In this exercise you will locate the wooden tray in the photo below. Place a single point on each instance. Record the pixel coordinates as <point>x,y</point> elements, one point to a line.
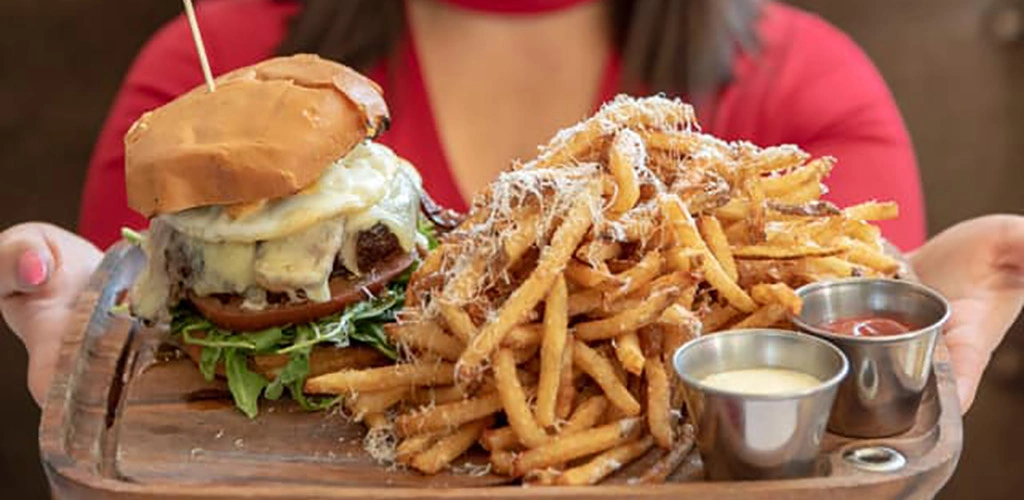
<point>128,418</point>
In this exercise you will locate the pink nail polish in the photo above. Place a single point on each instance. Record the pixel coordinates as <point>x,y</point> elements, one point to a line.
<point>32,269</point>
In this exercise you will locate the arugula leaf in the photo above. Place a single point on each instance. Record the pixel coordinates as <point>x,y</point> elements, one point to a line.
<point>427,229</point>
<point>131,236</point>
<point>208,361</point>
<point>361,322</point>
<point>245,385</point>
<point>372,334</point>
<point>218,338</point>
<point>264,340</point>
<point>296,370</point>
<point>311,404</point>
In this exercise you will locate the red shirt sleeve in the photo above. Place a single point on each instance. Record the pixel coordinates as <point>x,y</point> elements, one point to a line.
<point>236,32</point>
<point>808,84</point>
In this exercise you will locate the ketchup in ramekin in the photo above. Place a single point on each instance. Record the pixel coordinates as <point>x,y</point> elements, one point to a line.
<point>868,326</point>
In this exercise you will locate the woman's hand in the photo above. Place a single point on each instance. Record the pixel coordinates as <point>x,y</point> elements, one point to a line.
<point>979,266</point>
<point>42,270</point>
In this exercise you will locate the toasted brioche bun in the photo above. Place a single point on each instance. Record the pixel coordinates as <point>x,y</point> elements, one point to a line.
<point>268,131</point>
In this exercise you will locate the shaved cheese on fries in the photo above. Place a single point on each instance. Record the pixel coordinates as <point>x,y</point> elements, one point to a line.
<point>555,307</point>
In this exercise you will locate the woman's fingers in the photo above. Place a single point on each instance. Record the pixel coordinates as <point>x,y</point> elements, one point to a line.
<point>1009,250</point>
<point>978,265</point>
<point>25,260</point>
<point>970,349</point>
<point>42,270</point>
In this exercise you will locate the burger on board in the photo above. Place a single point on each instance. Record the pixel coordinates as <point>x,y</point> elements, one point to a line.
<point>276,223</point>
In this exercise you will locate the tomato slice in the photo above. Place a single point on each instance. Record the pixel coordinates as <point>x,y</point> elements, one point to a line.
<point>229,314</point>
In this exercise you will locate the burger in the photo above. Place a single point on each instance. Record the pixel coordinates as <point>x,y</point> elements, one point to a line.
<point>278,229</point>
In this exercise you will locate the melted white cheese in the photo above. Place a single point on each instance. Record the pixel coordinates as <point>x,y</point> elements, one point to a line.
<point>352,185</point>
<point>151,291</point>
<point>301,261</point>
<point>288,245</point>
<point>398,211</point>
<point>227,267</point>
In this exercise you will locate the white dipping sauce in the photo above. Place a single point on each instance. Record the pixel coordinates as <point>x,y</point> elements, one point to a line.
<point>761,381</point>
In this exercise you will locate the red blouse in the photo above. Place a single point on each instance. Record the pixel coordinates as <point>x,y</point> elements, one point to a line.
<point>807,84</point>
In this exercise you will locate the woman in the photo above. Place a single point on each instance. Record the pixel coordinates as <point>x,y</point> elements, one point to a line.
<point>475,83</point>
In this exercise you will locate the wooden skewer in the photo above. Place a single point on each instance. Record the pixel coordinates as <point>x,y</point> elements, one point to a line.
<point>190,13</point>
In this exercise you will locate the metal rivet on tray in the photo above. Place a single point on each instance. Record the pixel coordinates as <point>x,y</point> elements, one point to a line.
<point>876,459</point>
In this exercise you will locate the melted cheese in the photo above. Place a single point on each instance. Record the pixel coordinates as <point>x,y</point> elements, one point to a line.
<point>287,246</point>
<point>301,261</point>
<point>225,267</point>
<point>352,185</point>
<point>151,291</point>
<point>398,211</point>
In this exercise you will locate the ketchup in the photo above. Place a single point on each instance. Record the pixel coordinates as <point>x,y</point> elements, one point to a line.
<point>867,327</point>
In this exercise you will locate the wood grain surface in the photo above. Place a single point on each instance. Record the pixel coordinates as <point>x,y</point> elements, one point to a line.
<point>129,417</point>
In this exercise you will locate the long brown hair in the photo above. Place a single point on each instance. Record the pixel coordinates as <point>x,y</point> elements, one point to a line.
<point>673,46</point>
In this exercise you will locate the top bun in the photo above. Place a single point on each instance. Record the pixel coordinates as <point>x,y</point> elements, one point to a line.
<point>268,131</point>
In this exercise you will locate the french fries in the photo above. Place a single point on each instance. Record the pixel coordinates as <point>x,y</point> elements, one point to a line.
<point>585,275</point>
<point>367,403</point>
<point>383,378</point>
<point>671,461</point>
<point>447,416</point>
<point>601,370</point>
<point>556,323</point>
<point>522,238</point>
<point>766,316</point>
<point>557,305</point>
<point>711,231</point>
<point>446,449</point>
<point>412,446</point>
<point>436,395</point>
<point>458,321</point>
<point>627,350</point>
<point>566,383</point>
<point>503,438</point>
<point>425,336</point>
<point>631,319</point>
<point>767,252</point>
<point>513,400</point>
<point>659,412</point>
<point>606,463</point>
<point>551,263</point>
<point>638,276</point>
<point>777,293</point>
<point>587,415</point>
<point>577,445</point>
<point>626,156</point>
<point>872,210</point>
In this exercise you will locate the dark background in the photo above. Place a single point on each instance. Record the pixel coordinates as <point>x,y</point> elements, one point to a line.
<point>955,66</point>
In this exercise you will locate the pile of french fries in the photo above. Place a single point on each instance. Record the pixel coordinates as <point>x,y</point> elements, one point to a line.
<point>542,328</point>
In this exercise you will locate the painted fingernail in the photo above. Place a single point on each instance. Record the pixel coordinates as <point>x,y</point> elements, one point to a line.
<point>32,270</point>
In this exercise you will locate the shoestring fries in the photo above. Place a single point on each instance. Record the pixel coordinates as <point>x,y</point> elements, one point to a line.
<point>543,327</point>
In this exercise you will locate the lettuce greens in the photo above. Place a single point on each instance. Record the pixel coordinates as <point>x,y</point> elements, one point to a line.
<point>362,322</point>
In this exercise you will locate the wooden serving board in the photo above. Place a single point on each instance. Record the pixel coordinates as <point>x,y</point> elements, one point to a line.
<point>127,417</point>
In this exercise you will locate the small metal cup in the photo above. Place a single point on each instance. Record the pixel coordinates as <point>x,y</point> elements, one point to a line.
<point>887,374</point>
<point>742,436</point>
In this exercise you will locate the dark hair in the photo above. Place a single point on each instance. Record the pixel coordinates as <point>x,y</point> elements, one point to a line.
<point>672,46</point>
